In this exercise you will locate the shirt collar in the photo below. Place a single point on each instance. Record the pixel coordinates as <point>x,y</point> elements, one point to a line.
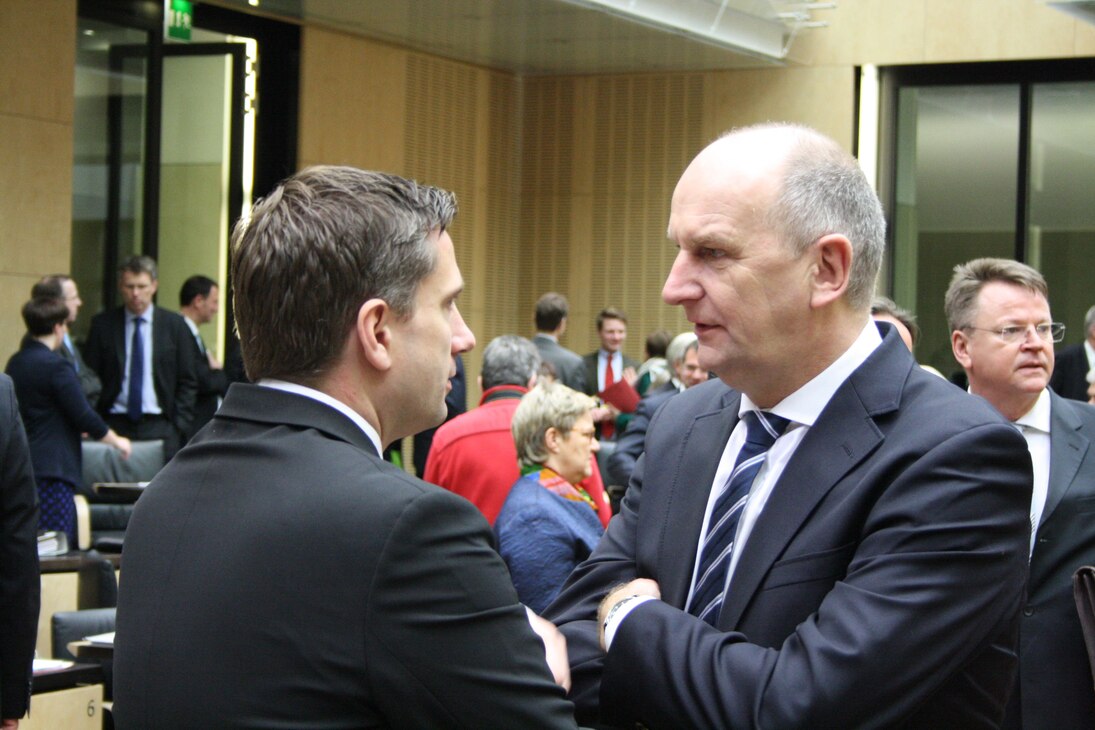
<point>304,390</point>
<point>1037,417</point>
<point>806,404</point>
<point>191,324</point>
<point>147,316</point>
<point>1090,352</point>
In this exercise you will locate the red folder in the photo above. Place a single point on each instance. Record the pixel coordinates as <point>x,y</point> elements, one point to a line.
<point>622,395</point>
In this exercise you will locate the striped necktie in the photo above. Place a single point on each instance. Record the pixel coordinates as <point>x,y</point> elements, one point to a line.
<point>762,430</point>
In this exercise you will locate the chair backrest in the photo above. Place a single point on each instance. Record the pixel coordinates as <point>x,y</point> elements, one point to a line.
<point>103,463</point>
<point>69,626</point>
<point>1083,590</point>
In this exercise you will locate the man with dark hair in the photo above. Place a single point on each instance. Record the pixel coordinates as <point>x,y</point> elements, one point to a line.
<point>1002,334</point>
<point>63,287</point>
<point>278,571</point>
<point>199,302</point>
<point>825,536</point>
<point>145,357</point>
<point>1075,368</point>
<point>474,455</point>
<point>20,586</point>
<point>551,322</point>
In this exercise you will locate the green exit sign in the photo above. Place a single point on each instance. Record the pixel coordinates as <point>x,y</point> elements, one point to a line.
<point>178,17</point>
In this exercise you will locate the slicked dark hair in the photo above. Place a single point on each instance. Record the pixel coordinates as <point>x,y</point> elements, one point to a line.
<point>324,242</point>
<point>194,287</point>
<point>551,309</point>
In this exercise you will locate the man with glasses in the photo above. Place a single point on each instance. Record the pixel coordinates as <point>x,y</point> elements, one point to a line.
<point>1002,334</point>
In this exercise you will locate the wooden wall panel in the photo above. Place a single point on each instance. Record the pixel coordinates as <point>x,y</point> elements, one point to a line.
<point>352,101</point>
<point>823,98</point>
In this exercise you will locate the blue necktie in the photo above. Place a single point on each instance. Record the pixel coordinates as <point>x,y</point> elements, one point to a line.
<point>762,430</point>
<point>133,406</point>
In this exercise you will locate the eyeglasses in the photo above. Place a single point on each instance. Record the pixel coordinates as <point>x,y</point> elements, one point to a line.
<point>1049,332</point>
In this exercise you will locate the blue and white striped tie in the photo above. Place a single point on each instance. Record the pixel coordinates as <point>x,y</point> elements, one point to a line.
<point>762,430</point>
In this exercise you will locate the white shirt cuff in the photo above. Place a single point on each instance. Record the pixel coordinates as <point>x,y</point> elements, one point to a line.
<point>617,616</point>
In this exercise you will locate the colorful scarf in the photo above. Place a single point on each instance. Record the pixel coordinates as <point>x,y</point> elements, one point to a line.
<point>556,484</point>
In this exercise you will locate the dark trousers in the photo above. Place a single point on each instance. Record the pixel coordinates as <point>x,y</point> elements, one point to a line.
<point>149,428</point>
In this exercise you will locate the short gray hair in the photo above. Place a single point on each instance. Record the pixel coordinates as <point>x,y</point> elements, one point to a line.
<point>824,191</point>
<point>680,346</point>
<point>548,405</point>
<point>1089,322</point>
<point>960,302</point>
<point>509,360</point>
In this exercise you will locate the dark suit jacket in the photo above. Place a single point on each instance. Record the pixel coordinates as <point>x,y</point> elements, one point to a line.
<point>880,586</point>
<point>19,583</point>
<point>629,445</point>
<point>569,369</point>
<point>55,412</point>
<point>89,381</point>
<point>589,363</point>
<point>211,386</point>
<point>279,573</point>
<point>1069,379</point>
<point>1054,689</point>
<point>174,371</point>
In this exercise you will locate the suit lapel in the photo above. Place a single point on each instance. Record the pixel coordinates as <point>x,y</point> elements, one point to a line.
<point>694,467</point>
<point>843,435</point>
<point>119,342</point>
<point>1067,448</point>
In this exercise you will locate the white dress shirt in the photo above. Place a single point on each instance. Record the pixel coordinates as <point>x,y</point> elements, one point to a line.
<point>1034,425</point>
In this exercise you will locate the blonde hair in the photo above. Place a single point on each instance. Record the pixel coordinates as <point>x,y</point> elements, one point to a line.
<point>548,405</point>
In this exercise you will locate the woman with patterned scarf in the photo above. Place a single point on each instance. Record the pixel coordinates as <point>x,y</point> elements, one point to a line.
<point>548,524</point>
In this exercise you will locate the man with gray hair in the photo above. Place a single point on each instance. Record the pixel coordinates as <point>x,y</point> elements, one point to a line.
<point>473,455</point>
<point>279,572</point>
<point>826,536</point>
<point>683,357</point>
<point>1075,369</point>
<point>1002,334</point>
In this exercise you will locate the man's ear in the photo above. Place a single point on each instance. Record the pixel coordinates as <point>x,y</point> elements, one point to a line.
<point>833,262</point>
<point>960,348</point>
<point>374,333</point>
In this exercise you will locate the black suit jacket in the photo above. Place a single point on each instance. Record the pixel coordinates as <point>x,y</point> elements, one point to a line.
<point>55,412</point>
<point>19,583</point>
<point>1054,688</point>
<point>629,445</point>
<point>89,381</point>
<point>880,586</point>
<point>174,370</point>
<point>589,362</point>
<point>211,387</point>
<point>279,573</point>
<point>1069,379</point>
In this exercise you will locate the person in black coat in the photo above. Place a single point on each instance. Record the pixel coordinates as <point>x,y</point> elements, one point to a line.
<point>55,412</point>
<point>19,584</point>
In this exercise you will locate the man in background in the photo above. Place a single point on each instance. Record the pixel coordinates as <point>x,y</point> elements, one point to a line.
<point>279,572</point>
<point>1075,366</point>
<point>199,302</point>
<point>144,355</point>
<point>19,582</point>
<point>609,365</point>
<point>63,287</point>
<point>1002,334</point>
<point>551,322</point>
<point>683,355</point>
